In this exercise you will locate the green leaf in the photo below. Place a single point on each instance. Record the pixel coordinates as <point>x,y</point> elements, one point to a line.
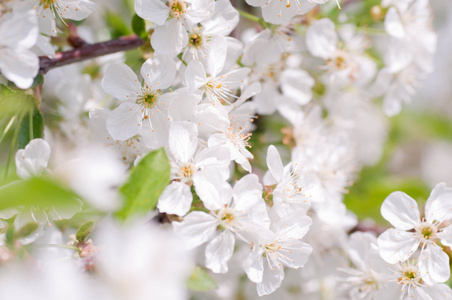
<point>145,185</point>
<point>139,27</point>
<point>116,25</point>
<point>27,132</point>
<point>10,236</point>
<point>36,191</point>
<point>84,230</point>
<point>200,280</point>
<point>39,79</point>
<point>27,229</point>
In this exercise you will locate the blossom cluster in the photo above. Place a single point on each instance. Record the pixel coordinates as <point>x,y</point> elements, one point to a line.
<point>228,221</point>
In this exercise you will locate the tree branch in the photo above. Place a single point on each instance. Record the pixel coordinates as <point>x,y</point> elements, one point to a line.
<point>89,51</point>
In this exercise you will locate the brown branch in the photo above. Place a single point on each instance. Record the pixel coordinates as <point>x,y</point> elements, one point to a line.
<point>89,51</point>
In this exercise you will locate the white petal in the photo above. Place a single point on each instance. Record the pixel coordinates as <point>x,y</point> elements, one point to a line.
<point>159,71</point>
<point>439,291</point>
<point>212,189</point>
<point>445,235</point>
<point>77,10</point>
<point>434,263</point>
<point>250,91</point>
<point>169,38</point>
<point>196,228</point>
<point>439,204</point>
<point>254,265</point>
<point>182,105</point>
<point>271,279</point>
<point>46,21</point>
<point>257,2</point>
<point>294,226</point>
<point>20,31</point>
<point>259,215</point>
<point>396,245</point>
<point>298,256</point>
<point>195,75</point>
<point>274,163</point>
<point>32,160</point>
<point>153,10</point>
<point>125,121</point>
<point>247,192</point>
<point>219,251</point>
<point>401,211</point>
<point>297,84</point>
<point>176,199</point>
<point>183,140</point>
<point>121,82</point>
<point>223,21</point>
<point>262,50</point>
<point>214,157</point>
<point>19,66</point>
<point>276,12</point>
<point>198,11</point>
<point>392,105</point>
<point>393,24</point>
<point>156,136</point>
<point>321,38</point>
<point>235,78</point>
<point>216,55</point>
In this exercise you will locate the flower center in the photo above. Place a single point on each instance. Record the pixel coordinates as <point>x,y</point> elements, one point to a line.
<point>427,231</point>
<point>178,8</point>
<point>47,3</point>
<point>272,248</point>
<point>227,217</point>
<point>237,137</point>
<point>148,99</point>
<point>186,171</point>
<point>195,40</point>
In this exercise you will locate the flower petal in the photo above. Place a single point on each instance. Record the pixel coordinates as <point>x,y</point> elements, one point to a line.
<point>445,235</point>
<point>125,121</point>
<point>401,211</point>
<point>19,66</point>
<point>271,279</point>
<point>169,38</point>
<point>20,31</point>
<point>254,265</point>
<point>223,21</point>
<point>274,163</point>
<point>153,10</point>
<point>121,82</point>
<point>393,23</point>
<point>396,245</point>
<point>439,204</point>
<point>219,251</point>
<point>159,71</point>
<point>195,75</point>
<point>216,55</point>
<point>176,199</point>
<point>321,38</point>
<point>32,160</point>
<point>196,228</point>
<point>434,263</point>
<point>247,192</point>
<point>183,140</point>
<point>78,9</point>
<point>212,188</point>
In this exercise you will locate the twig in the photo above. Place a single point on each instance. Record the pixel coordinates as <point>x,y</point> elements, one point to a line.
<point>89,51</point>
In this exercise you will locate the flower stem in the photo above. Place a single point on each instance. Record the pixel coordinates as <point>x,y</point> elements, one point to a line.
<point>13,146</point>
<point>248,16</point>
